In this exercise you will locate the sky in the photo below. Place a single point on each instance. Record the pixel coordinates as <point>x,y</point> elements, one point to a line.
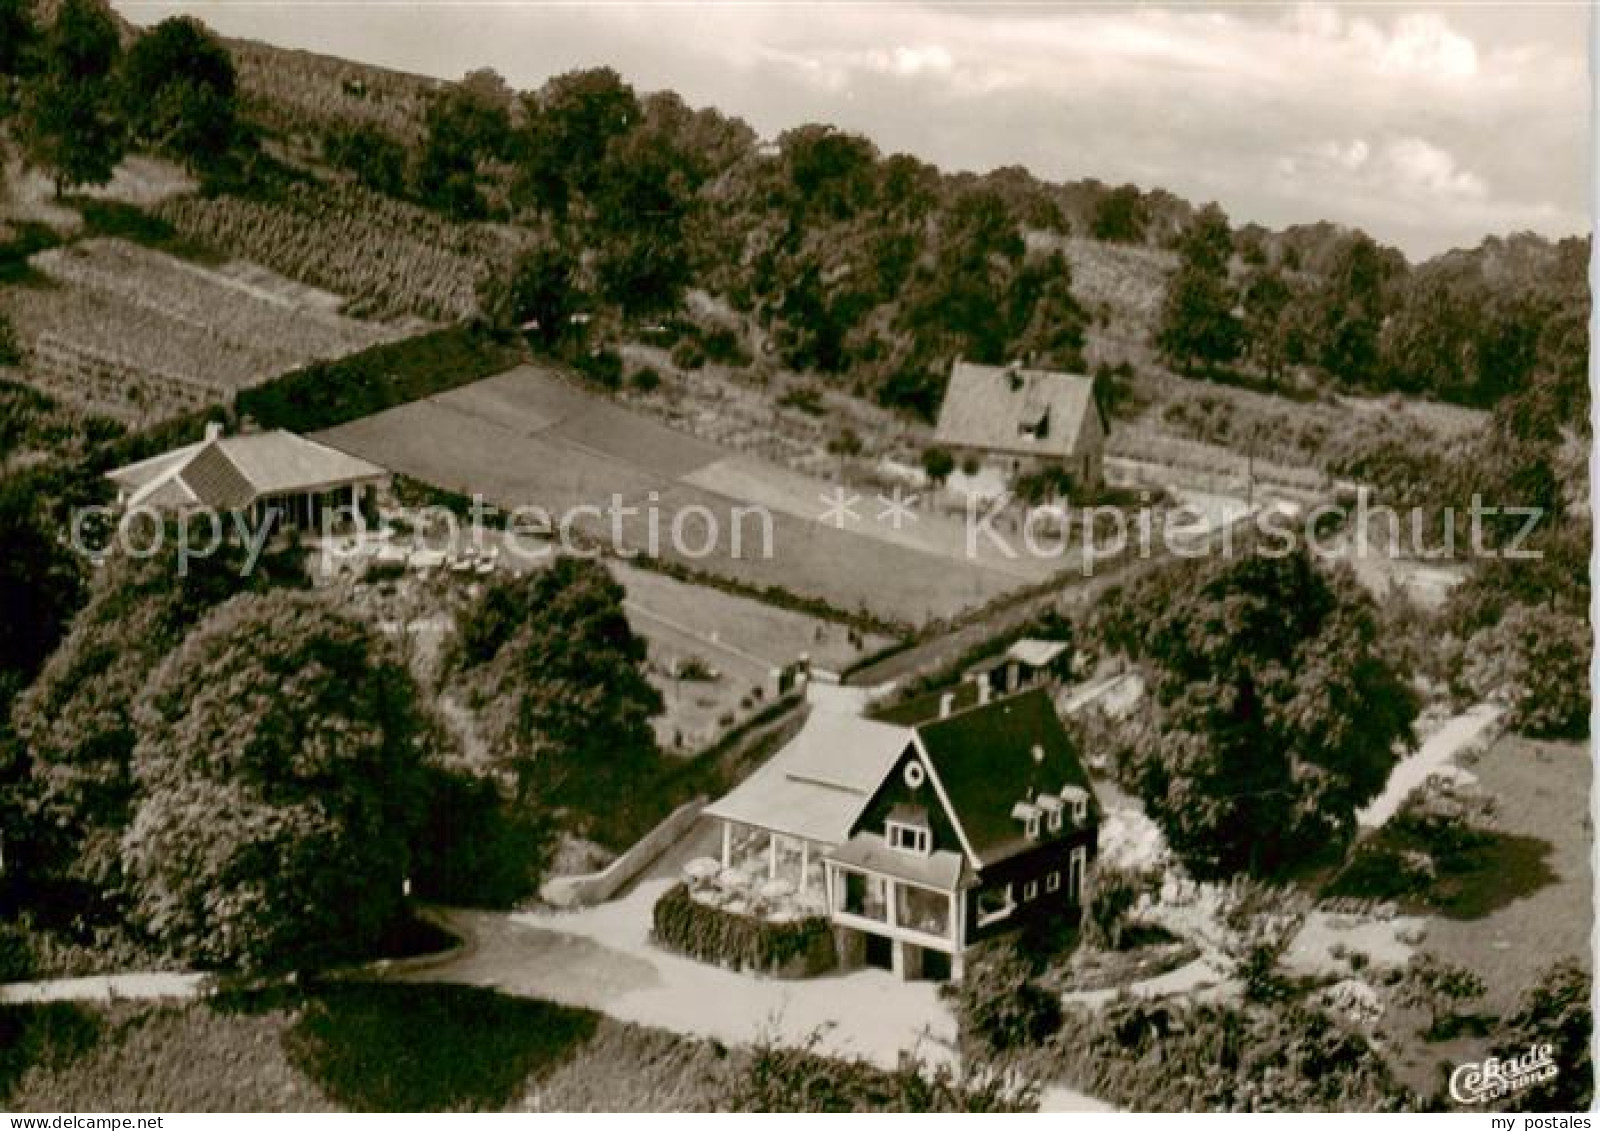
<point>1430,126</point>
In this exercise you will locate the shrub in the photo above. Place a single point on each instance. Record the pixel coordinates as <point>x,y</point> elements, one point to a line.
<point>688,354</point>
<point>334,392</point>
<point>1112,894</point>
<point>999,1005</point>
<point>803,397</point>
<point>790,1079</point>
<point>10,349</point>
<point>473,849</point>
<point>645,379</point>
<point>800,949</point>
<point>724,347</point>
<point>16,953</point>
<point>602,366</point>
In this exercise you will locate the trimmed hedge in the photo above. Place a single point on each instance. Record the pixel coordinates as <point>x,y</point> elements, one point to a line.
<point>329,393</point>
<point>801,949</point>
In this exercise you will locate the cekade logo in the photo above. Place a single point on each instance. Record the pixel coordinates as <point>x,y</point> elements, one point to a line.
<point>1479,1082</point>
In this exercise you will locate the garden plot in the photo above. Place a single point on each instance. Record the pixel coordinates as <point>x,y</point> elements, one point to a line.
<point>526,438</point>
<point>141,335</point>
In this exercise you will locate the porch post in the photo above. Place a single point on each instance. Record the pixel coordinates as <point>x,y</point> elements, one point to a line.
<point>772,856</point>
<point>805,864</point>
<point>727,843</point>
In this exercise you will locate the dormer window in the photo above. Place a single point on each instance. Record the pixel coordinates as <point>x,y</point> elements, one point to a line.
<point>1076,798</point>
<point>1029,816</point>
<point>1053,808</point>
<point>1034,423</point>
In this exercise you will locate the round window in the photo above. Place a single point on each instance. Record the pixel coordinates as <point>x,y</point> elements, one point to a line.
<point>915,775</point>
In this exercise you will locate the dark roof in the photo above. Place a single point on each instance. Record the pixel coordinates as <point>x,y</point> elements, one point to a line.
<point>924,707</point>
<point>985,758</point>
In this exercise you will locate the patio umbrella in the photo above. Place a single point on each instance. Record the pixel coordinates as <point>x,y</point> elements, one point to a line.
<point>733,878</point>
<point>702,868</point>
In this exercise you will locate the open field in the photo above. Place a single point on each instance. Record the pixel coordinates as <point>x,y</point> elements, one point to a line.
<point>1535,901</point>
<point>527,438</point>
<point>139,335</point>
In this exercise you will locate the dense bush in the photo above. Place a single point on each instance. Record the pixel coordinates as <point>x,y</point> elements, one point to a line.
<point>279,775</point>
<point>474,849</point>
<point>1166,1056</point>
<point>799,949</point>
<point>333,392</point>
<point>781,1078</point>
<point>999,1004</point>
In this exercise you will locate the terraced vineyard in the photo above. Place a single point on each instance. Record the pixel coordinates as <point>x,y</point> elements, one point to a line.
<point>140,336</point>
<point>387,257</point>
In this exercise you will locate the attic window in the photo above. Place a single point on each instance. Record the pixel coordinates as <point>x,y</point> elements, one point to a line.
<point>1034,423</point>
<point>1029,816</point>
<point>909,838</point>
<point>1053,808</point>
<point>1076,799</point>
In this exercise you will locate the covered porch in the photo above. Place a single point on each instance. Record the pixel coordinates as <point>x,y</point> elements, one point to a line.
<point>912,903</point>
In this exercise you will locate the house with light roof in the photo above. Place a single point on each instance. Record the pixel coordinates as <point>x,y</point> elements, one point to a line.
<point>257,474</point>
<point>1018,420</point>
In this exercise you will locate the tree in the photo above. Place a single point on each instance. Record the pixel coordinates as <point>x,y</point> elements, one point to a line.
<point>40,589</point>
<point>1350,307</point>
<point>574,705</point>
<point>1047,324</point>
<point>69,127</point>
<point>181,91</point>
<point>999,1004</point>
<point>538,294</point>
<point>469,123</point>
<point>1268,324</point>
<point>1536,660</point>
<point>570,125</point>
<point>279,764</point>
<point>1441,988</point>
<point>377,160</point>
<point>937,465</point>
<point>1555,1010</point>
<point>10,348</point>
<point>1198,323</point>
<point>75,720</point>
<point>1276,712</point>
<point>19,35</point>
<point>1112,894</point>
<point>1121,216</point>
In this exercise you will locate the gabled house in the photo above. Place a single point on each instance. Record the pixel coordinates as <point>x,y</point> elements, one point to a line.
<point>928,838</point>
<point>1021,420</point>
<point>256,474</point>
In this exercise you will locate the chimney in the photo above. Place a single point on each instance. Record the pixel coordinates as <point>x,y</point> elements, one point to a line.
<point>213,430</point>
<point>946,701</point>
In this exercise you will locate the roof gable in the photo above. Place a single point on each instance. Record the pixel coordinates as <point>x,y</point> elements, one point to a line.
<point>229,473</point>
<point>1004,408</point>
<point>985,760</point>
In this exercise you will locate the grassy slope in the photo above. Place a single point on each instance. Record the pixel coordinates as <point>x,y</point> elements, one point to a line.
<point>355,1047</point>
